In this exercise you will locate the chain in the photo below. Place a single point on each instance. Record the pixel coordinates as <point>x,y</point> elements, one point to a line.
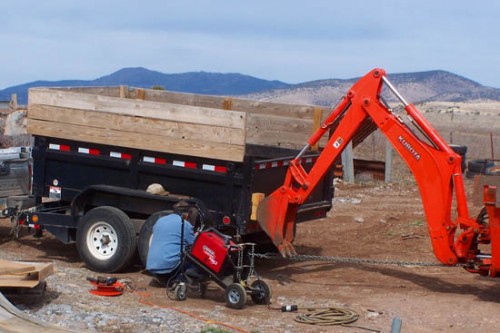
<point>305,257</point>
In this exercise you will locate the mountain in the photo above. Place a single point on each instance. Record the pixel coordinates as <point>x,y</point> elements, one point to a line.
<point>434,85</point>
<point>193,82</point>
<point>437,85</point>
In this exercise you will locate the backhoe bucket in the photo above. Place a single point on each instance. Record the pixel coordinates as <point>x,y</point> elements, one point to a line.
<point>276,216</point>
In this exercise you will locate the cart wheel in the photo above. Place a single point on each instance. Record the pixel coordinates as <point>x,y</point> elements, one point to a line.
<point>180,292</point>
<point>261,292</point>
<point>236,296</point>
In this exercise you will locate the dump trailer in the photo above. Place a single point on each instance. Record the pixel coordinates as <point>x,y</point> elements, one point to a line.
<point>97,150</point>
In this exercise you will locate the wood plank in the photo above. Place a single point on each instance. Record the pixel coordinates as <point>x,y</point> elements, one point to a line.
<point>283,125</point>
<point>229,151</point>
<point>95,90</point>
<point>219,102</point>
<point>8,267</point>
<point>137,108</point>
<point>279,124</point>
<point>215,134</point>
<point>276,138</point>
<point>29,279</point>
<point>18,270</point>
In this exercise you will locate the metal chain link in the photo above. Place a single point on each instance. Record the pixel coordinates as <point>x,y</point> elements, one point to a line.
<point>305,257</point>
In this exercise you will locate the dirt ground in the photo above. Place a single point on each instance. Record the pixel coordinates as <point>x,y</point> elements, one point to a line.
<point>371,220</point>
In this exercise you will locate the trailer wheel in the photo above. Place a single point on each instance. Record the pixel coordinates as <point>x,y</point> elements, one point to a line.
<point>261,292</point>
<point>106,239</point>
<point>146,232</point>
<point>236,296</point>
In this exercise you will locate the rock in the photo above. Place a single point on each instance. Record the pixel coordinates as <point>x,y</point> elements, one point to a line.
<point>359,219</point>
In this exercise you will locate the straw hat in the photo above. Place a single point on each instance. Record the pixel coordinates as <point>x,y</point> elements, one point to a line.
<point>157,189</point>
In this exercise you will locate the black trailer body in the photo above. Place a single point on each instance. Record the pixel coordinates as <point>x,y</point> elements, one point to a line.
<point>84,190</point>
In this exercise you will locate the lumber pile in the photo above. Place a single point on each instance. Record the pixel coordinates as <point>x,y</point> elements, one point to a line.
<point>158,120</point>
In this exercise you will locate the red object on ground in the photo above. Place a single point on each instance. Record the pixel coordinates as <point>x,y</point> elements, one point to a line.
<point>114,289</point>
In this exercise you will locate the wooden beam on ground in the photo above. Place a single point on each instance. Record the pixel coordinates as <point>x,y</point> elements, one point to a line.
<point>24,275</point>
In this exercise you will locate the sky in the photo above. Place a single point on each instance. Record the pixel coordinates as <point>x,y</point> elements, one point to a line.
<point>287,40</point>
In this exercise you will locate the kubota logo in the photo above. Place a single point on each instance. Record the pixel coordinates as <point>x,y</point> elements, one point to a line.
<point>408,147</point>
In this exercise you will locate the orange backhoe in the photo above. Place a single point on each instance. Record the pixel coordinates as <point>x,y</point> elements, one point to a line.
<point>435,166</point>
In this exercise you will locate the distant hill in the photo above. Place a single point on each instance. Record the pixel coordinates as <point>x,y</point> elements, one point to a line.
<point>194,82</point>
<point>435,85</point>
<point>416,87</point>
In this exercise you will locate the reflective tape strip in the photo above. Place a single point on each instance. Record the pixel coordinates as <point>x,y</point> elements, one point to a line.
<point>155,160</point>
<point>216,168</point>
<point>184,164</point>
<point>55,146</point>
<point>124,156</point>
<point>89,151</point>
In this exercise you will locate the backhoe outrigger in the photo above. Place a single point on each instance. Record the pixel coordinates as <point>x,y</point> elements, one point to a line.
<point>435,166</point>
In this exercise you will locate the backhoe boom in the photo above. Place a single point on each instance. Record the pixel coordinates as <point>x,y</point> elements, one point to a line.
<point>435,166</point>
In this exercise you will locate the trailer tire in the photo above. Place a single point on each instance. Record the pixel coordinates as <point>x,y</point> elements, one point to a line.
<point>106,239</point>
<point>144,240</point>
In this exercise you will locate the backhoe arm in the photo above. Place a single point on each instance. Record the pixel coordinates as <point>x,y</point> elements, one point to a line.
<point>434,165</point>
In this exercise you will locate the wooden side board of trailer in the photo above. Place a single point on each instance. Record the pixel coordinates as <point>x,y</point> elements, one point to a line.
<point>191,124</point>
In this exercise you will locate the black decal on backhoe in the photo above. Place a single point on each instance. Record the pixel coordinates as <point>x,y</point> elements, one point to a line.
<point>408,147</point>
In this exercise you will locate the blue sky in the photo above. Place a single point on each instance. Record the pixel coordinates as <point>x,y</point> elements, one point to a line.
<point>287,40</point>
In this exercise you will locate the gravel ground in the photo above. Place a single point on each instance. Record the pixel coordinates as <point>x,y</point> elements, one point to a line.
<point>67,303</point>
